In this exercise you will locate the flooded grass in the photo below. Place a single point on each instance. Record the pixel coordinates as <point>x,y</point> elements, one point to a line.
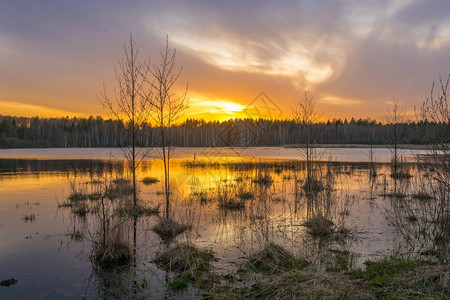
<point>149,180</point>
<point>246,195</point>
<point>271,260</point>
<point>168,229</point>
<point>77,196</point>
<point>77,235</point>
<point>231,204</point>
<point>138,210</point>
<point>185,260</point>
<point>319,226</point>
<point>29,218</point>
<point>114,251</point>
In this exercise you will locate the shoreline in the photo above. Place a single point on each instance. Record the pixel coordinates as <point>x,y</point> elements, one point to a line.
<point>289,146</point>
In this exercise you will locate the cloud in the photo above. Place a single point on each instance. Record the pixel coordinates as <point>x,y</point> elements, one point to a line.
<point>59,54</point>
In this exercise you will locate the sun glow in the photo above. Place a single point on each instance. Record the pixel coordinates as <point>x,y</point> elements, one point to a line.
<point>209,109</point>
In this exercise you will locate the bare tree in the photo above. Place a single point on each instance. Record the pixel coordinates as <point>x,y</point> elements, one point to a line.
<point>305,116</point>
<point>371,154</point>
<point>167,108</point>
<point>130,104</point>
<point>395,118</point>
<point>436,109</point>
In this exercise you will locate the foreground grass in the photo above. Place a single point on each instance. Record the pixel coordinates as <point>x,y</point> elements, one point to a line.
<point>391,278</point>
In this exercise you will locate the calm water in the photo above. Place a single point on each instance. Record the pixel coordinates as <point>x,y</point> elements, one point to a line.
<point>48,262</point>
<point>333,154</point>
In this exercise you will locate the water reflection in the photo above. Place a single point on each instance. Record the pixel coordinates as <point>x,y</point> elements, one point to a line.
<point>234,207</point>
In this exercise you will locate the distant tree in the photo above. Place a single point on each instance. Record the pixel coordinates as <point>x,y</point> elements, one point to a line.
<point>395,118</point>
<point>167,109</point>
<point>130,105</point>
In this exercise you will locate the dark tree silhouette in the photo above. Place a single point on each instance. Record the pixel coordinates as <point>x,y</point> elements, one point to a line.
<point>130,105</point>
<point>167,108</point>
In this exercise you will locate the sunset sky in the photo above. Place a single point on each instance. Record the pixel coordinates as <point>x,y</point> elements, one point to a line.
<point>355,57</point>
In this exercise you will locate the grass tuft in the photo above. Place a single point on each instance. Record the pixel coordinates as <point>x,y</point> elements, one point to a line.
<point>149,180</point>
<point>114,252</point>
<point>272,259</point>
<point>185,260</point>
<point>313,186</point>
<point>401,175</point>
<point>137,211</point>
<point>231,204</point>
<point>246,195</point>
<point>118,188</point>
<point>319,226</point>
<point>77,196</point>
<point>264,180</point>
<point>95,196</point>
<point>168,229</point>
<point>76,236</point>
<point>29,218</point>
<point>422,196</point>
<point>178,283</point>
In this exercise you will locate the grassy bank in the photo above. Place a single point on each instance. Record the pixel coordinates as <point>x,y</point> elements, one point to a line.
<point>390,278</point>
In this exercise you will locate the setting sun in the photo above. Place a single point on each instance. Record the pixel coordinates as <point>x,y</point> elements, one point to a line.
<point>213,109</point>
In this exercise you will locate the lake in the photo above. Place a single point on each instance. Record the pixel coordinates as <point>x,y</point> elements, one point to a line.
<point>47,241</point>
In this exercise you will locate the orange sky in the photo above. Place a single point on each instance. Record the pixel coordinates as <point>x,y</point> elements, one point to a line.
<point>355,57</point>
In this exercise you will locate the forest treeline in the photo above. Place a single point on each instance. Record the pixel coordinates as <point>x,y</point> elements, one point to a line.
<point>21,132</point>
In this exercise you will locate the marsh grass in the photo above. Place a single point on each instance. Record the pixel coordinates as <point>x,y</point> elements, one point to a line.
<point>137,211</point>
<point>77,196</point>
<point>80,209</point>
<point>114,251</point>
<point>29,218</point>
<point>185,260</point>
<point>270,260</point>
<point>401,175</point>
<point>297,284</point>
<point>265,180</point>
<point>149,180</point>
<point>390,278</point>
<point>319,226</point>
<point>119,188</point>
<point>243,195</point>
<point>202,196</point>
<point>65,204</point>
<point>397,278</point>
<point>76,235</point>
<point>94,196</point>
<point>396,195</point>
<point>313,186</point>
<point>168,229</point>
<point>340,261</point>
<point>178,283</point>
<point>231,204</point>
<point>422,196</point>
<point>422,219</point>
